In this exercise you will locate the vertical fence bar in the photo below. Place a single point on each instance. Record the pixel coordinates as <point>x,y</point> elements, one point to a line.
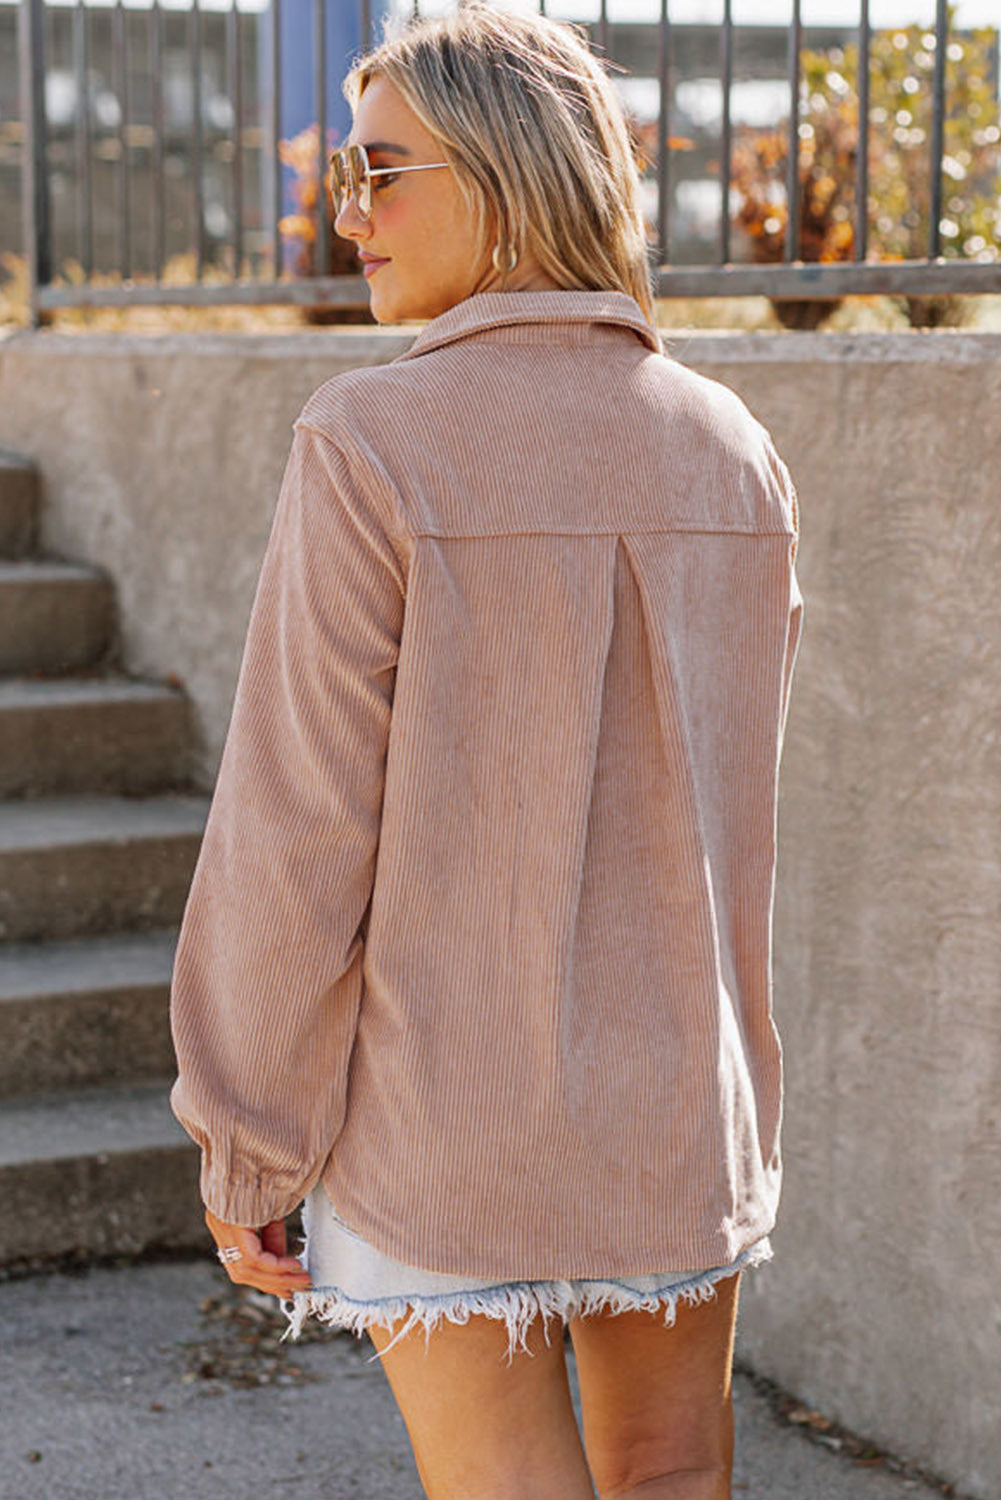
<point>198,138</point>
<point>321,260</point>
<point>792,244</point>
<point>159,131</point>
<point>235,86</point>
<point>84,186</point>
<point>366,24</point>
<point>34,178</point>
<point>276,131</point>
<point>664,131</point>
<point>725,152</point>
<point>120,73</point>
<point>603,28</point>
<point>862,148</point>
<point>938,128</point>
<point>542,7</point>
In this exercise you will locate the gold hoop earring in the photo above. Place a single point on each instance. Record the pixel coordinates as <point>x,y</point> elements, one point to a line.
<point>512,260</point>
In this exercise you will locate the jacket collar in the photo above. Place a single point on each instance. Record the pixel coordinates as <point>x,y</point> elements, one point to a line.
<point>487,310</point>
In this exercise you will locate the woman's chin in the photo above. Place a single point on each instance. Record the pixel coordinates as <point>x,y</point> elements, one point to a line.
<point>389,310</point>
<point>389,304</point>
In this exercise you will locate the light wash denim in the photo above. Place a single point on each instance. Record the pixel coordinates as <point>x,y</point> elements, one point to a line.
<point>355,1286</point>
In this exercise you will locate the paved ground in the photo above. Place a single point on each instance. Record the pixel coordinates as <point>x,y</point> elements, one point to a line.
<point>161,1382</point>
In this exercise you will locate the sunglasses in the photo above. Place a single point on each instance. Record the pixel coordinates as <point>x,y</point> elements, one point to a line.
<point>351,176</point>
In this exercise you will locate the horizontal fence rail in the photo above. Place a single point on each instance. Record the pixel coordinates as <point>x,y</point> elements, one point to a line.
<point>175,171</point>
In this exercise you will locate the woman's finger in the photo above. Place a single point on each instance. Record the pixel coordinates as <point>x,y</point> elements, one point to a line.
<point>274,1286</point>
<point>253,1265</point>
<point>274,1238</point>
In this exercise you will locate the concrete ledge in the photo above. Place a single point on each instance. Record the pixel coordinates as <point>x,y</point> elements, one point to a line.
<point>359,346</point>
<point>88,865</point>
<point>92,735</point>
<point>19,496</point>
<point>365,345</point>
<point>912,346</point>
<point>54,616</point>
<point>104,1173</point>
<point>85,1014</point>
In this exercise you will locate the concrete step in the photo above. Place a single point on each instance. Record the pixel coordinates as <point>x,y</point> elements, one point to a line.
<point>102,1172</point>
<point>54,616</point>
<point>92,735</point>
<point>20,504</point>
<point>87,1013</point>
<point>84,866</point>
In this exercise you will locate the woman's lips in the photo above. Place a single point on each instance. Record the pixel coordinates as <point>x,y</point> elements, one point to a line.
<point>369,267</point>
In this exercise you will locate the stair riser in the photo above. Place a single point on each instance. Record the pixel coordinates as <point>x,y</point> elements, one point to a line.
<point>95,747</point>
<point>93,1040</point>
<point>102,1205</point>
<point>78,891</point>
<point>55,626</point>
<point>19,510</point>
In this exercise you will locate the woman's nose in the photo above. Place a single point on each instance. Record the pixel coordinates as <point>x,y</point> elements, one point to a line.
<point>350,223</point>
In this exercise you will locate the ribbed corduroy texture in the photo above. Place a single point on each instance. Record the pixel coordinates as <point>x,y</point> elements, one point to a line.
<point>480,930</point>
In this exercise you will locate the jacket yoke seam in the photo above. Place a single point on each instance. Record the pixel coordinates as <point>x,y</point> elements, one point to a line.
<point>602,531</point>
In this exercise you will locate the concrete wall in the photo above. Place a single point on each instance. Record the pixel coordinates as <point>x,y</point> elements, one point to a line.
<point>161,461</point>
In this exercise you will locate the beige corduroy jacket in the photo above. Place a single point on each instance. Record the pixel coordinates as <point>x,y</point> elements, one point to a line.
<point>480,930</point>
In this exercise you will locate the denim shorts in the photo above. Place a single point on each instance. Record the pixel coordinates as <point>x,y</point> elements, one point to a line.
<point>355,1286</point>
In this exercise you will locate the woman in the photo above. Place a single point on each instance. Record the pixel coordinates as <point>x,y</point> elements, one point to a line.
<point>476,959</point>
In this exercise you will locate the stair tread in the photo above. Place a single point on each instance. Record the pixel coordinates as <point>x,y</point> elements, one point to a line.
<point>47,570</point>
<point>43,822</point>
<point>68,692</point>
<point>83,965</point>
<point>54,1127</point>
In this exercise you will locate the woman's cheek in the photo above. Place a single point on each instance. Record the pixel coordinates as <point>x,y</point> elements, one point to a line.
<point>391,218</point>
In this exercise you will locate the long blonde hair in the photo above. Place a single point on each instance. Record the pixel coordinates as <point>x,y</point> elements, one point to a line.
<point>527,118</point>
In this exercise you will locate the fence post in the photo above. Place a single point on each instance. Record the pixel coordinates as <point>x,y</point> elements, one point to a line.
<point>34,178</point>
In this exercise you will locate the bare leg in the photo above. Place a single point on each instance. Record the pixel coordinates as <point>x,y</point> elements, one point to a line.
<point>483,1429</point>
<point>656,1401</point>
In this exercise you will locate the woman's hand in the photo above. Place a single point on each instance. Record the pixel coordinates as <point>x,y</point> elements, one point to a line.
<point>263,1262</point>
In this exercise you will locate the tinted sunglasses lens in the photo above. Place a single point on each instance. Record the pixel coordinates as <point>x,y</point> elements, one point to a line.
<point>338,180</point>
<point>362,181</point>
<point>349,175</point>
<point>343,178</point>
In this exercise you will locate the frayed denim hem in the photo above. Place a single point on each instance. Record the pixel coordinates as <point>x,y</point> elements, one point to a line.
<point>518,1303</point>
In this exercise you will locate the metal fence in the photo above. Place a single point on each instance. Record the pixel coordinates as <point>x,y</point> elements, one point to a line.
<point>244,261</point>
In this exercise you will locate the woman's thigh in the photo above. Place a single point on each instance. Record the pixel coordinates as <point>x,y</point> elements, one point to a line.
<point>656,1401</point>
<point>482,1428</point>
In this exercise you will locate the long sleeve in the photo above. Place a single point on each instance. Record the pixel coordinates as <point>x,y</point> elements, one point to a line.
<point>268,972</point>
